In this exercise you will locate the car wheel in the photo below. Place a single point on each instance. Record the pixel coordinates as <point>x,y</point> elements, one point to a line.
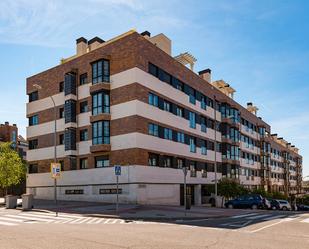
<point>273,208</point>
<point>254,206</point>
<point>230,206</point>
<point>284,208</point>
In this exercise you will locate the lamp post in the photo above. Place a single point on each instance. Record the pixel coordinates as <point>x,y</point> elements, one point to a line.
<point>38,87</point>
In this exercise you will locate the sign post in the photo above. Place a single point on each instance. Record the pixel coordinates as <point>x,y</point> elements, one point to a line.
<point>55,169</point>
<point>117,173</point>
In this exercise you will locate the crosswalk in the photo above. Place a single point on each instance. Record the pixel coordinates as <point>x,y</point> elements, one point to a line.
<point>270,216</point>
<point>18,218</point>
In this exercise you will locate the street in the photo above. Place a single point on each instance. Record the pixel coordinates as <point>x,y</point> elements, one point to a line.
<point>270,229</point>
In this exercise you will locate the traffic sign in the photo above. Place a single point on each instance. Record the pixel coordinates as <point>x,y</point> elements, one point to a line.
<point>117,170</point>
<point>55,169</point>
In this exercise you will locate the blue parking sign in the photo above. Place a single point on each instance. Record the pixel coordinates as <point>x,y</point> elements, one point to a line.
<point>117,170</point>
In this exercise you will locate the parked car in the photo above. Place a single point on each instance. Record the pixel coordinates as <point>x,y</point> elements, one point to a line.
<point>246,201</point>
<point>274,204</point>
<point>284,205</point>
<point>302,207</point>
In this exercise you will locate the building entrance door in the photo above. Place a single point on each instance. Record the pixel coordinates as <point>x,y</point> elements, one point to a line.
<point>190,191</point>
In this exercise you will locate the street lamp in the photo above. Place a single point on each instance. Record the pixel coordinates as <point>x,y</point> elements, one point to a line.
<point>38,87</point>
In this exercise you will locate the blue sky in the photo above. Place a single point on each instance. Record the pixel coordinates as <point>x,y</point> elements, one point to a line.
<point>259,47</point>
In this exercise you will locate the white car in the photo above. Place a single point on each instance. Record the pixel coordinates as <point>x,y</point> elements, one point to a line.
<point>284,205</point>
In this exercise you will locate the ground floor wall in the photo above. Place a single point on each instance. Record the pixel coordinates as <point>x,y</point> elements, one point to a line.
<point>137,185</point>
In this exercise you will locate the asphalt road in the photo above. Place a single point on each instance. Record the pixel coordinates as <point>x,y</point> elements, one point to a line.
<point>260,230</point>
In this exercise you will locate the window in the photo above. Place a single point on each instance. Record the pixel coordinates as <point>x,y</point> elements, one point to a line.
<point>153,130</point>
<point>167,162</point>
<point>101,161</point>
<point>168,134</point>
<point>83,135</point>
<point>83,79</point>
<point>73,162</point>
<point>33,144</point>
<point>61,139</point>
<point>70,111</point>
<point>203,148</point>
<point>61,87</point>
<point>70,139</point>
<point>180,137</point>
<point>192,98</point>
<point>83,163</point>
<point>203,124</point>
<point>153,99</point>
<point>33,96</point>
<point>61,112</point>
<point>61,165</point>
<point>192,144</point>
<point>203,102</point>
<point>180,163</point>
<point>100,103</point>
<point>33,120</point>
<point>100,132</point>
<point>153,70</point>
<point>33,168</point>
<point>100,71</point>
<point>83,106</point>
<point>166,106</point>
<point>153,159</point>
<point>192,120</point>
<point>179,111</point>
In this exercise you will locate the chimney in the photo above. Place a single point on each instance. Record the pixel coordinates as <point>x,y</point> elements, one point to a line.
<point>146,34</point>
<point>81,46</point>
<point>251,108</point>
<point>7,123</point>
<point>275,136</point>
<point>14,125</point>
<point>94,43</point>
<point>205,75</point>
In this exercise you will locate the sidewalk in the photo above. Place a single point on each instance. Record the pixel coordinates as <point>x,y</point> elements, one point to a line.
<point>135,212</point>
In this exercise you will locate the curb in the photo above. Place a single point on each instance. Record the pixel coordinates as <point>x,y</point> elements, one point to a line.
<point>144,218</point>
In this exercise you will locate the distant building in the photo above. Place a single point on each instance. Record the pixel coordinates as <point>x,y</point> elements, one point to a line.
<point>9,133</point>
<point>128,101</point>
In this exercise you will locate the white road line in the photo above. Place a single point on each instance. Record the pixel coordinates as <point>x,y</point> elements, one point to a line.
<point>305,220</point>
<point>257,216</point>
<point>92,221</point>
<point>7,223</point>
<point>267,226</point>
<point>242,215</point>
<point>11,219</point>
<point>273,224</point>
<point>29,218</point>
<point>84,220</point>
<point>43,216</point>
<point>273,217</point>
<point>77,220</point>
<point>63,215</point>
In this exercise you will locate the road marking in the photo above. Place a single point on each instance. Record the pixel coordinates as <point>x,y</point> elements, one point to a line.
<point>7,223</point>
<point>29,218</point>
<point>273,217</point>
<point>273,224</point>
<point>242,215</point>
<point>305,220</point>
<point>258,216</point>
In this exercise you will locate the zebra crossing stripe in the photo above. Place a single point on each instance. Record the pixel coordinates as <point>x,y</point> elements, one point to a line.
<point>273,217</point>
<point>12,219</point>
<point>258,216</point>
<point>243,215</point>
<point>29,218</point>
<point>305,220</point>
<point>7,223</point>
<point>48,218</point>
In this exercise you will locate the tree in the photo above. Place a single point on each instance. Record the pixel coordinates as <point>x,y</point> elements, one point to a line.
<point>12,167</point>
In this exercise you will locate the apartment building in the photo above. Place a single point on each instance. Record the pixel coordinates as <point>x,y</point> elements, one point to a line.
<point>127,101</point>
